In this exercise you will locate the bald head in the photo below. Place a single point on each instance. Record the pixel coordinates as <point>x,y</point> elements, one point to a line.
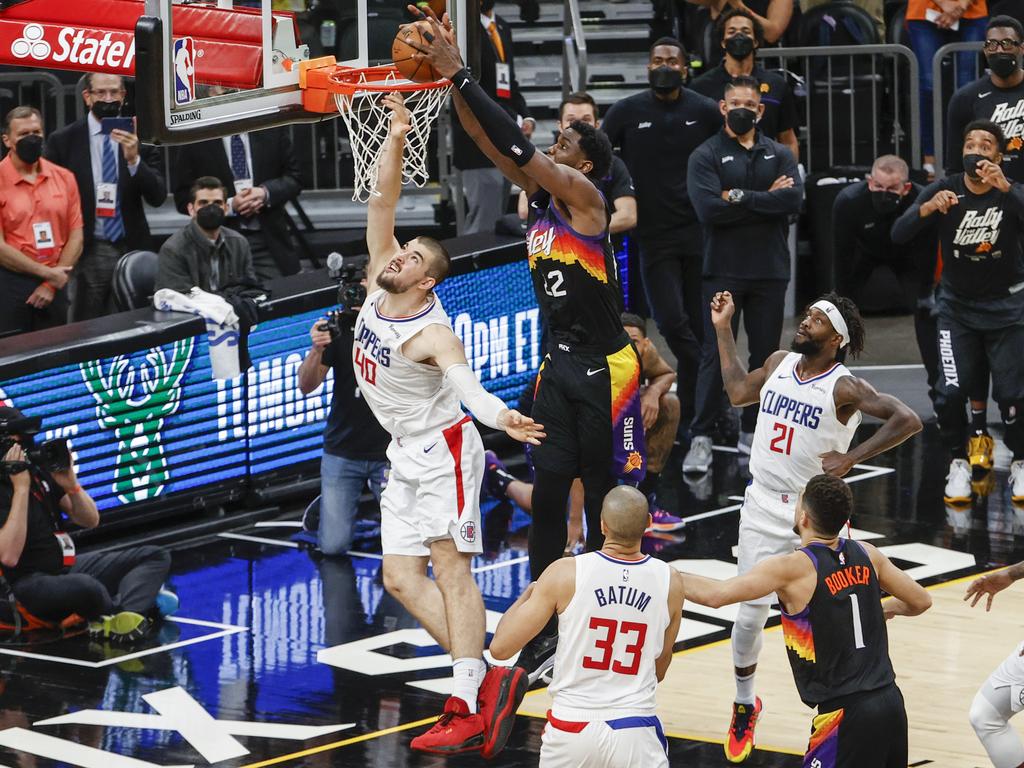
<point>624,514</point>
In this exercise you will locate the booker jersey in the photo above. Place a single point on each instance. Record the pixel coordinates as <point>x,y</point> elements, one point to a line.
<point>609,636</point>
<point>796,424</point>
<point>406,397</point>
<point>838,644</point>
<point>574,277</point>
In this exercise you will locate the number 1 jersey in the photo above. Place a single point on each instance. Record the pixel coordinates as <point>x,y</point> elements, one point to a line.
<point>609,637</point>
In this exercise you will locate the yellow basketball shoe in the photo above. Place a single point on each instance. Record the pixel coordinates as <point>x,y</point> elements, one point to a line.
<point>740,742</point>
<point>981,449</point>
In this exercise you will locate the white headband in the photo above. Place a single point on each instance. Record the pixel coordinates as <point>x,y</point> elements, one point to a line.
<point>836,317</point>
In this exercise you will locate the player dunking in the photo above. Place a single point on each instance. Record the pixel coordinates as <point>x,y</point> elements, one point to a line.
<point>834,627</point>
<point>588,386</point>
<point>618,616</point>
<point>810,406</point>
<point>412,370</point>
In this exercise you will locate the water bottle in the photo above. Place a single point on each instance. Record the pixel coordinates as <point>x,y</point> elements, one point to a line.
<point>328,34</point>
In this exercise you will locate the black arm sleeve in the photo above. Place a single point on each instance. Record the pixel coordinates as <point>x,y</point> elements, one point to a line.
<point>500,128</point>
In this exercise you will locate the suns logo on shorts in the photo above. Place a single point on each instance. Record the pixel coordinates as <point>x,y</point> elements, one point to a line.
<point>468,531</point>
<point>633,462</point>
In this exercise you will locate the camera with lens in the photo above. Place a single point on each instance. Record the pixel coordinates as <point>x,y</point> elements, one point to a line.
<point>51,455</point>
<point>351,294</point>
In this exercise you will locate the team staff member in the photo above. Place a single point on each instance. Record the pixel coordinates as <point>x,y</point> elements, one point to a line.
<point>997,96</point>
<point>603,709</point>
<point>744,187</point>
<point>740,35</point>
<point>41,237</point>
<point>115,173</point>
<point>840,658</point>
<point>656,132</point>
<point>978,216</point>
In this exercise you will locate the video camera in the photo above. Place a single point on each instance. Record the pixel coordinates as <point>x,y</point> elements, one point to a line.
<point>351,294</point>
<point>51,455</point>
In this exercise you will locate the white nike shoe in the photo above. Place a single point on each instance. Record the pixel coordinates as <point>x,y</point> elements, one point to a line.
<point>698,458</point>
<point>1017,482</point>
<point>958,482</point>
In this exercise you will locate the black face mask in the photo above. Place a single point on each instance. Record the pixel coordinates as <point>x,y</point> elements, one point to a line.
<point>885,202</point>
<point>971,164</point>
<point>741,120</point>
<point>103,109</point>
<point>210,217</point>
<point>664,79</point>
<point>1002,64</point>
<point>29,148</point>
<point>739,47</point>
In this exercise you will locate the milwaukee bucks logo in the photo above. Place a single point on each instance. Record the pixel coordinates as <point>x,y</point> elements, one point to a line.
<point>133,402</point>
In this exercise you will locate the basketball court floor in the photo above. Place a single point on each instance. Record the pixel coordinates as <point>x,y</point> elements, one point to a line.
<point>280,657</point>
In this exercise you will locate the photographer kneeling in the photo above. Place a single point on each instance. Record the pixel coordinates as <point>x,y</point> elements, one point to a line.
<point>115,591</point>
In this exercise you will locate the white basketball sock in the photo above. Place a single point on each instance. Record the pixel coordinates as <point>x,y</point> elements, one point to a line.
<point>469,673</point>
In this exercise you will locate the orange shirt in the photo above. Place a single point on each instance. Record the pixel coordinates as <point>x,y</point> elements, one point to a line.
<point>53,198</point>
<point>916,9</point>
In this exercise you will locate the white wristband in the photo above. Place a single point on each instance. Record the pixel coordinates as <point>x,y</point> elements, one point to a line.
<point>481,403</point>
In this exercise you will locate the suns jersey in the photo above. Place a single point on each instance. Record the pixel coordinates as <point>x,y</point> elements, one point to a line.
<point>406,397</point>
<point>796,424</point>
<point>838,644</point>
<point>574,277</point>
<point>609,637</point>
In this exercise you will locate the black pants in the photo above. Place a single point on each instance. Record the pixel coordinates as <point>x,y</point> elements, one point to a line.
<point>762,305</point>
<point>98,584</point>
<point>671,268</point>
<point>870,729</point>
<point>94,280</point>
<point>966,357</point>
<point>18,317</point>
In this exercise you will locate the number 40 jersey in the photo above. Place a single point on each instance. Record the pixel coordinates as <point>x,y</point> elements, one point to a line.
<point>796,424</point>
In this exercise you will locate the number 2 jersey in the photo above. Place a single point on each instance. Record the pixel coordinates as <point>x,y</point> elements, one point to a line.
<point>574,277</point>
<point>796,424</point>
<point>838,644</point>
<point>609,637</point>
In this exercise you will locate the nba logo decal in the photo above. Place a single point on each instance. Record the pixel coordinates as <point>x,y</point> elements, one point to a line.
<point>468,531</point>
<point>184,70</point>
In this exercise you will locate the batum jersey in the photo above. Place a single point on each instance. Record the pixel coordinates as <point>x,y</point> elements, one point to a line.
<point>574,277</point>
<point>796,424</point>
<point>609,637</point>
<point>838,644</point>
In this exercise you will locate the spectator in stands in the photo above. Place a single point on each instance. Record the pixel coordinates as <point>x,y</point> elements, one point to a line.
<point>862,219</point>
<point>41,237</point>
<point>740,35</point>
<point>261,171</point>
<point>997,96</point>
<point>773,15</point>
<point>744,187</point>
<point>205,253</point>
<point>931,24</point>
<point>655,132</point>
<point>874,8</point>
<point>978,216</point>
<point>112,166</point>
<point>116,591</point>
<point>484,187</point>
<point>617,186</point>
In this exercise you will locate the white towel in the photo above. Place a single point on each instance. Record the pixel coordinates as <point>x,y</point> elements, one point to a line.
<point>221,325</point>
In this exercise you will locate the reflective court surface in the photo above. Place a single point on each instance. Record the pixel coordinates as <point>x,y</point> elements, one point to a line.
<point>280,657</point>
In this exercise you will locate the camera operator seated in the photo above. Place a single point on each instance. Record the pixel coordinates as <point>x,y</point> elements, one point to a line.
<point>115,591</point>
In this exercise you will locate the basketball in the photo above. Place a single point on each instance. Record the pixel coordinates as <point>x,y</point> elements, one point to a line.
<point>402,53</point>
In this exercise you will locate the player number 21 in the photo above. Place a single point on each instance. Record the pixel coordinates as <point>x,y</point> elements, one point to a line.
<point>606,645</point>
<point>783,440</point>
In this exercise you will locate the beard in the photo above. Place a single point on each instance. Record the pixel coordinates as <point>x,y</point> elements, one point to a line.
<point>807,346</point>
<point>389,281</point>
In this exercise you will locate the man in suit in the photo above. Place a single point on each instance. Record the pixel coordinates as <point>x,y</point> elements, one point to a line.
<point>114,173</point>
<point>483,185</point>
<point>261,174</point>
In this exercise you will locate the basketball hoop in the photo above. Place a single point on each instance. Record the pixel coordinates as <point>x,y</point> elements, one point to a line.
<point>357,95</point>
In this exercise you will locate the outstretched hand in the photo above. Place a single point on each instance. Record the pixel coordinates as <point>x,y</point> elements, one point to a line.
<point>401,121</point>
<point>440,51</point>
<point>521,428</point>
<point>722,309</point>
<point>990,584</point>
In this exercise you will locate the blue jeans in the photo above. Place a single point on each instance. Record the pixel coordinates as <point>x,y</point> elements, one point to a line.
<point>926,39</point>
<point>341,483</point>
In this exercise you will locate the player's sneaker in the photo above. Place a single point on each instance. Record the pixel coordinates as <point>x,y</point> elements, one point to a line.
<point>981,451</point>
<point>958,482</point>
<point>311,517</point>
<point>166,602</point>
<point>740,742</point>
<point>497,478</point>
<point>125,627</point>
<point>698,458</point>
<point>1017,482</point>
<point>538,656</point>
<point>501,693</point>
<point>664,522</point>
<point>456,730</point>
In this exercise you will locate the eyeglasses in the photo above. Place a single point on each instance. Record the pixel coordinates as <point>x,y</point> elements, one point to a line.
<point>107,92</point>
<point>1006,44</point>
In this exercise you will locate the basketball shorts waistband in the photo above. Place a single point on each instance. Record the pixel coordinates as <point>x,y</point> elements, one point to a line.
<point>616,724</point>
<point>608,347</point>
<point>406,440</point>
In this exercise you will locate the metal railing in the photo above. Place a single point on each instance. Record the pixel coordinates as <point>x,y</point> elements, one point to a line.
<point>939,91</point>
<point>574,55</point>
<point>860,101</point>
<point>20,88</point>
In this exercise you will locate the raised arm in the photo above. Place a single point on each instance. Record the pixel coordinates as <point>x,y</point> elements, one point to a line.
<point>380,214</point>
<point>472,128</point>
<point>742,387</point>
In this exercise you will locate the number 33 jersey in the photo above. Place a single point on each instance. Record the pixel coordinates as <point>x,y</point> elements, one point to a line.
<point>574,277</point>
<point>609,637</point>
<point>796,424</point>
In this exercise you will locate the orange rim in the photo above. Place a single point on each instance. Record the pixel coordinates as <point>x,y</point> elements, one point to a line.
<point>383,79</point>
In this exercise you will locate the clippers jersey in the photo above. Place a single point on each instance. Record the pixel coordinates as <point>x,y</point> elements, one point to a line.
<point>609,636</point>
<point>796,423</point>
<point>574,277</point>
<point>838,644</point>
<point>406,397</point>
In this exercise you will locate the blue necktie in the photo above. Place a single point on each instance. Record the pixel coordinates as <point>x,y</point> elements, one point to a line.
<point>239,165</point>
<point>113,226</point>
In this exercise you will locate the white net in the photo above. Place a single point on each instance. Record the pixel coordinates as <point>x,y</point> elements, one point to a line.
<point>368,122</point>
